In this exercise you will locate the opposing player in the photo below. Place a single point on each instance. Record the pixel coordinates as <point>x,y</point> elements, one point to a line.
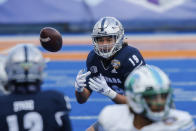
<point>108,64</point>
<point>149,95</point>
<point>27,107</point>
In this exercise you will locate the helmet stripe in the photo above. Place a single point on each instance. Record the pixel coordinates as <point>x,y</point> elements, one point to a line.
<point>26,60</point>
<point>156,76</point>
<point>26,55</point>
<point>102,24</point>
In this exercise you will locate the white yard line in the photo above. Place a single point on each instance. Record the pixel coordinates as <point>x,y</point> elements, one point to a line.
<point>83,117</point>
<point>184,83</point>
<point>96,117</point>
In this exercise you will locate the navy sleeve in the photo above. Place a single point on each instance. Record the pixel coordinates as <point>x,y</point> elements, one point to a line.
<point>65,102</point>
<point>66,123</point>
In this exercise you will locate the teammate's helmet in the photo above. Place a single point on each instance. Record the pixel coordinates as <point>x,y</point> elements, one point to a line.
<point>108,26</point>
<point>148,91</point>
<point>25,64</point>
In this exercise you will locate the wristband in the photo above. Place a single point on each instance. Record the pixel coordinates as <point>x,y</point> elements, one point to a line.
<point>111,94</point>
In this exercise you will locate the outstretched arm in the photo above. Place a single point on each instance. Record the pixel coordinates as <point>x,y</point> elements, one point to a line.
<point>119,99</point>
<point>82,93</point>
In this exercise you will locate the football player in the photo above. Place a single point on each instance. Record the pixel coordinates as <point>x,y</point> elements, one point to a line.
<point>27,107</point>
<point>108,64</point>
<point>149,95</point>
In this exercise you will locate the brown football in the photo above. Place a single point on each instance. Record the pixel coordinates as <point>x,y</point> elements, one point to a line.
<point>51,39</point>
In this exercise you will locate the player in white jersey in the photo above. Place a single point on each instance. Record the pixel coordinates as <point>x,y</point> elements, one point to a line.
<point>149,95</point>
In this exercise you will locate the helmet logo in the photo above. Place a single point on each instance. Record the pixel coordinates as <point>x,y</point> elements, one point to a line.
<point>102,32</point>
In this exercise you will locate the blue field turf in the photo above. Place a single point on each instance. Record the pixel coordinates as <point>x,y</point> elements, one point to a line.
<point>61,75</point>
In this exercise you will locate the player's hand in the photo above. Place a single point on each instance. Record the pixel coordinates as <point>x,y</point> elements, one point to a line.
<point>99,84</point>
<point>80,80</point>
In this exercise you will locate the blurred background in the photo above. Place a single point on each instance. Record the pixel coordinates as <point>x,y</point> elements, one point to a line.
<point>73,16</point>
<point>163,30</point>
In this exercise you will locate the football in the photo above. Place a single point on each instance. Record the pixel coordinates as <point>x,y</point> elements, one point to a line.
<point>51,39</point>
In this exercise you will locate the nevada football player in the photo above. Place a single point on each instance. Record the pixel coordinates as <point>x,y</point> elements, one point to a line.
<point>149,95</point>
<point>27,107</point>
<point>108,64</point>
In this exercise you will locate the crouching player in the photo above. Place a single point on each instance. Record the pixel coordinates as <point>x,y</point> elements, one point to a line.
<point>149,95</point>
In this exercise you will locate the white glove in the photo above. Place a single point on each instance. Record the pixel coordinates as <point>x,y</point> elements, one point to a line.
<point>80,80</point>
<point>99,84</point>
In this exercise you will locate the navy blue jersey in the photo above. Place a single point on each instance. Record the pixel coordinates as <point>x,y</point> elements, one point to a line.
<point>43,111</point>
<point>123,62</point>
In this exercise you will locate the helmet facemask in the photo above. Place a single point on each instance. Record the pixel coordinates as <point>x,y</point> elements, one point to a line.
<point>106,46</point>
<point>156,104</point>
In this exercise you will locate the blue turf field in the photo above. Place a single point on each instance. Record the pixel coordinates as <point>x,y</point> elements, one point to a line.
<point>61,75</point>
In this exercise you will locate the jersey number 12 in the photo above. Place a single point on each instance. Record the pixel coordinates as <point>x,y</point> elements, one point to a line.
<point>31,121</point>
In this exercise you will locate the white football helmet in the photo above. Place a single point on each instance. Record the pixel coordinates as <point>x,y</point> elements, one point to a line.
<point>108,26</point>
<point>143,86</point>
<point>24,64</point>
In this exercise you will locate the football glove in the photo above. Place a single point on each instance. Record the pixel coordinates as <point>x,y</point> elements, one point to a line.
<point>80,80</point>
<point>99,84</point>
